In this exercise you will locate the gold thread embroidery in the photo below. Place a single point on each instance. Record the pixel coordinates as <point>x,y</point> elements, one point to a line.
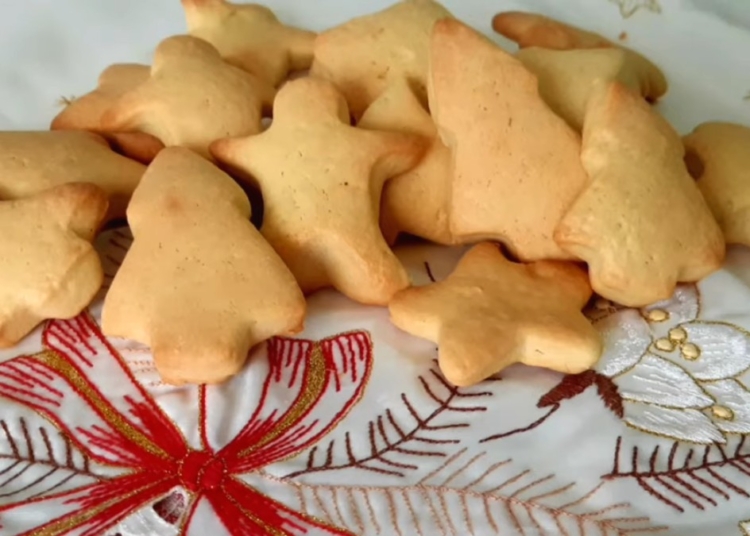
<point>690,351</point>
<point>112,417</point>
<point>309,395</point>
<point>657,315</point>
<point>312,393</point>
<point>665,345</point>
<point>722,412</point>
<point>64,525</point>
<point>678,335</point>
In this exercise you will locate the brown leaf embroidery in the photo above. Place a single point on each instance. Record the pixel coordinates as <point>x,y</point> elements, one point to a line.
<point>609,393</point>
<point>699,477</point>
<point>395,440</point>
<point>570,387</point>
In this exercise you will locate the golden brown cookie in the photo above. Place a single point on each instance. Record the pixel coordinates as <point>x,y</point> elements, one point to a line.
<point>251,37</point>
<point>365,55</point>
<point>199,285</point>
<point>48,267</point>
<point>642,225</point>
<point>85,113</point>
<point>491,313</point>
<point>568,77</point>
<point>417,202</point>
<point>718,157</point>
<point>533,30</point>
<point>321,181</point>
<point>517,164</point>
<point>191,98</point>
<point>31,162</point>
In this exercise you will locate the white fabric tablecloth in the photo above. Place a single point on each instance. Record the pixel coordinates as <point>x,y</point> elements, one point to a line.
<point>371,440</point>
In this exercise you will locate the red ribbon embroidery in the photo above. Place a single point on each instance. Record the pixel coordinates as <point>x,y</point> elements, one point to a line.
<point>79,375</point>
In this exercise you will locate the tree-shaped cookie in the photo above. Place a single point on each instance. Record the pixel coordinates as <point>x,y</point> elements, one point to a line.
<point>321,181</point>
<point>642,225</point>
<point>48,267</point>
<point>199,285</point>
<point>191,98</point>
<point>417,202</point>
<point>517,164</point>
<point>31,162</point>
<point>85,113</point>
<point>718,157</point>
<point>491,313</point>
<point>251,37</point>
<point>534,30</point>
<point>365,55</point>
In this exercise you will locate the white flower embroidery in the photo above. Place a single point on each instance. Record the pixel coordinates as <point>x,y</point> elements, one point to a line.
<point>678,376</point>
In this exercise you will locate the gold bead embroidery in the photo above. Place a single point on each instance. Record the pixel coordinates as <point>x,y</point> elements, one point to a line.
<point>690,351</point>
<point>723,413</point>
<point>665,345</point>
<point>657,315</point>
<point>678,335</point>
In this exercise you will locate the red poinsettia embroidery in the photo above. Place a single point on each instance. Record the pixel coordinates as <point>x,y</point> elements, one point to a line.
<point>81,384</point>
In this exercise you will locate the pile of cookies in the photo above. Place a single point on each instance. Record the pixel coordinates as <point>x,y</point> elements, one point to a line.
<point>551,163</point>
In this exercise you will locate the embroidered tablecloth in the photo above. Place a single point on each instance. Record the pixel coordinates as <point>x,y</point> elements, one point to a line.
<point>349,428</point>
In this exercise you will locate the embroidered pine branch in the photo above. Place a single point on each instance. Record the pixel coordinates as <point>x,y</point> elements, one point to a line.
<point>699,480</point>
<point>35,450</point>
<point>393,444</point>
<point>457,499</point>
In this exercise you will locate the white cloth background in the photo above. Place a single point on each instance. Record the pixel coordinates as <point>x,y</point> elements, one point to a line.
<point>51,49</point>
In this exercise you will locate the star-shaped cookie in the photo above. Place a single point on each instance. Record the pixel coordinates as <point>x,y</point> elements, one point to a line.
<point>199,285</point>
<point>491,313</point>
<point>365,55</point>
<point>251,37</point>
<point>642,225</point>
<point>417,202</point>
<point>85,113</point>
<point>48,267</point>
<point>321,181</point>
<point>191,98</point>
<point>534,30</point>
<point>719,160</point>
<point>517,164</point>
<point>31,162</point>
